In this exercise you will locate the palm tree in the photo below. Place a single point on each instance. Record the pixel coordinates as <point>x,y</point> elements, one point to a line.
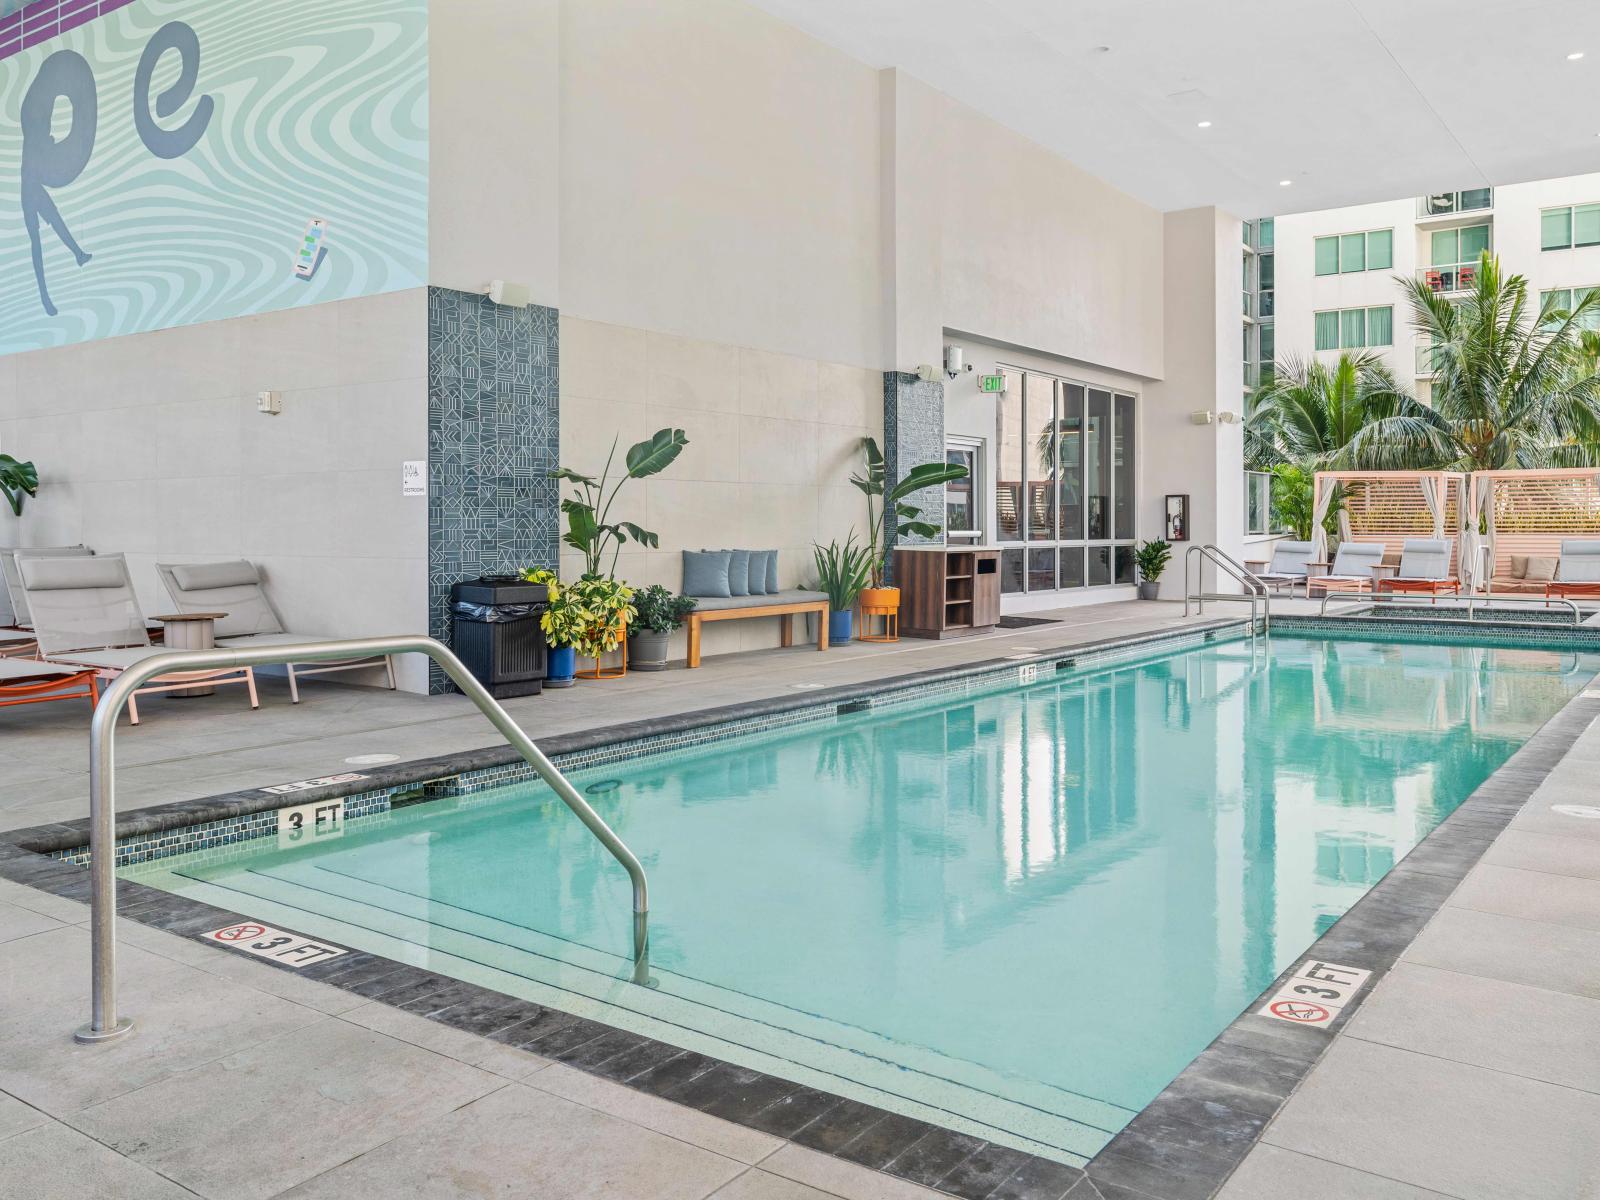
<point>1509,390</point>
<point>1312,412</point>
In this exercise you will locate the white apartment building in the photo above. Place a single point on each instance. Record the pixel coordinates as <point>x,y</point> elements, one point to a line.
<point>1333,272</point>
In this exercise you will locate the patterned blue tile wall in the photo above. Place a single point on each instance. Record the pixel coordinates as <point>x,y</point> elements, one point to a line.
<point>493,439</point>
<point>913,433</point>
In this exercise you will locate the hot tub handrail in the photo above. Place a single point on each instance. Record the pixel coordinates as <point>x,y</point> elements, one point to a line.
<point>105,1023</point>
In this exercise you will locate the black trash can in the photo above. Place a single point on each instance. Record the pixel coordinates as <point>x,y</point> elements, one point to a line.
<point>496,633</point>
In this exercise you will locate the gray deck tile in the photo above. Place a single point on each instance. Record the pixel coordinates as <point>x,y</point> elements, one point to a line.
<point>354,1088</point>
<point>15,1116</point>
<point>184,1018</point>
<point>1528,1031</point>
<point>442,1039</point>
<point>652,1112</point>
<point>1271,1173</point>
<point>519,1141</point>
<point>23,922</point>
<point>1461,1130</point>
<point>1509,948</point>
<point>841,1178</point>
<point>758,1185</point>
<point>1548,852</point>
<point>52,1162</point>
<point>1531,895</point>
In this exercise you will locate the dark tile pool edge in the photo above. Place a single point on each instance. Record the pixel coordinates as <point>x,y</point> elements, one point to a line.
<point>1186,1142</point>
<point>66,835</point>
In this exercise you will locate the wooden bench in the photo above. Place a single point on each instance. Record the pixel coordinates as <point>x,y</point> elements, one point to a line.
<point>784,605</point>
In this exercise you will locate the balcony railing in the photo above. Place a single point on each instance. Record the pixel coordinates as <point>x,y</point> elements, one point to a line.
<point>1450,277</point>
<point>1446,204</point>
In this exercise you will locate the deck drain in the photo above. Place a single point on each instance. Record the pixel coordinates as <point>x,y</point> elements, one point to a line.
<point>1586,811</point>
<point>601,788</point>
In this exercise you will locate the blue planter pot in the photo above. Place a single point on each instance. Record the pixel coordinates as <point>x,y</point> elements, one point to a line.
<point>841,626</point>
<point>561,666</point>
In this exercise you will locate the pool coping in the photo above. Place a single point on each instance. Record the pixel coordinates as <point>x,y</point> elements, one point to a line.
<point>1183,1145</point>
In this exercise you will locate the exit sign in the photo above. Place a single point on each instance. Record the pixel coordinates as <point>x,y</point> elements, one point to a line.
<point>991,383</point>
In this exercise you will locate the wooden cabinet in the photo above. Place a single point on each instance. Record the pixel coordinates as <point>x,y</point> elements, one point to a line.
<point>947,591</point>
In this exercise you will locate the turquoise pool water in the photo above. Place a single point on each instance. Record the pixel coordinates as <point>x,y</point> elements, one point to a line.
<point>1018,913</point>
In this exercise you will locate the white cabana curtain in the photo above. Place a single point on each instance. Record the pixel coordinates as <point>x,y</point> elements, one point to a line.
<point>1319,537</point>
<point>1486,555</point>
<point>1433,497</point>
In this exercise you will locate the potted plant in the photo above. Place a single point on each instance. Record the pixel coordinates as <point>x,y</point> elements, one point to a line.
<point>561,621</point>
<point>897,517</point>
<point>605,610</point>
<point>589,528</point>
<point>1151,558</point>
<point>658,613</point>
<point>17,480</point>
<point>842,573</point>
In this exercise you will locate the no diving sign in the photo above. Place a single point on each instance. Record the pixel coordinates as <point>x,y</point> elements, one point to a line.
<point>1315,994</point>
<point>263,941</point>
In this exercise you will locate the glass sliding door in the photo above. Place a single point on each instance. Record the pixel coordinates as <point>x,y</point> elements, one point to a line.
<point>1066,483</point>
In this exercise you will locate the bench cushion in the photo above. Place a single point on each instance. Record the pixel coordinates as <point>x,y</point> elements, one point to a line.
<point>723,603</point>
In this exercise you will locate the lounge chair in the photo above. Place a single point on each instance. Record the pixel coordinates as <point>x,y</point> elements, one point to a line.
<point>1578,572</point>
<point>235,588</point>
<point>1424,569</point>
<point>13,604</point>
<point>86,615</point>
<point>25,682</point>
<point>17,643</point>
<point>1351,570</point>
<point>1287,568</point>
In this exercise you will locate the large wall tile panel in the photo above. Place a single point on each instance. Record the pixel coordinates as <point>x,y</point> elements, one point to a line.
<point>493,440</point>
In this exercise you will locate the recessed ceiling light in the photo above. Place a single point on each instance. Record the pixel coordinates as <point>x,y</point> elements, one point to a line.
<point>1203,124</point>
<point>1285,183</point>
<point>1575,56</point>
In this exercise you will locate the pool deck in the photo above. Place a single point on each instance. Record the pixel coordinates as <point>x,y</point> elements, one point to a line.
<point>1471,1070</point>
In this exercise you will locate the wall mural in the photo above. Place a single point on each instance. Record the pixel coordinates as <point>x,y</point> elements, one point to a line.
<point>165,162</point>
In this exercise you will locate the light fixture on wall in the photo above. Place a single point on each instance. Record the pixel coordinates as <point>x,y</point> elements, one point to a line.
<point>512,295</point>
<point>1229,418</point>
<point>955,361</point>
<point>1204,417</point>
<point>928,373</point>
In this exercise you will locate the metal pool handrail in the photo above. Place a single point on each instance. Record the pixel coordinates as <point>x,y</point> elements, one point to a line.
<point>1254,587</point>
<point>105,1023</point>
<point>1402,600</point>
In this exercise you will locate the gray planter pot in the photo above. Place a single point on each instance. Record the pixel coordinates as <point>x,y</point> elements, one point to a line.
<point>647,651</point>
<point>1149,589</point>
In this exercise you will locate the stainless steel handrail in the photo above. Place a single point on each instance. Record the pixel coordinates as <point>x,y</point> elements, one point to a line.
<point>1255,588</point>
<point>1472,599</point>
<point>105,1023</point>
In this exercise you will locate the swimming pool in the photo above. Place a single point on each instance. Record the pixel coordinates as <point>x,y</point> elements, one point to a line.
<point>1016,913</point>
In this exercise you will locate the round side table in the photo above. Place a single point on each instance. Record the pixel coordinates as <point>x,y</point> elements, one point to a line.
<point>190,631</point>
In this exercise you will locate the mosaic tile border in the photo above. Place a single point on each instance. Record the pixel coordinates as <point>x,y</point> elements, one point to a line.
<point>1439,631</point>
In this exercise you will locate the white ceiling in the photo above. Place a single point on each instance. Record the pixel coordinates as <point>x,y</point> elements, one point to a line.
<point>1352,100</point>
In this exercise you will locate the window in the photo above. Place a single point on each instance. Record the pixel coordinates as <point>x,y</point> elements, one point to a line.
<point>1268,233</point>
<point>1448,203</point>
<point>1348,253</point>
<point>1568,228</point>
<point>1066,461</point>
<point>1257,502</point>
<point>1353,328</point>
<point>961,495</point>
<point>1565,300</point>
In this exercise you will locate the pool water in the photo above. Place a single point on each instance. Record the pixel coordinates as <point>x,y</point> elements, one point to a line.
<point>1018,913</point>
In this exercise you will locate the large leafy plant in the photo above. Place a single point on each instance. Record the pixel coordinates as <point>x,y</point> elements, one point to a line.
<point>896,517</point>
<point>590,615</point>
<point>590,529</point>
<point>1152,558</point>
<point>842,572</point>
<point>17,480</point>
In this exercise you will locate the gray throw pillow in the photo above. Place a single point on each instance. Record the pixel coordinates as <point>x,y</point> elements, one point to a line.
<point>705,573</point>
<point>772,573</point>
<point>738,572</point>
<point>758,571</point>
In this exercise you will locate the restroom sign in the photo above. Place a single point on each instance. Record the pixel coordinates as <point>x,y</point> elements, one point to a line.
<point>1315,994</point>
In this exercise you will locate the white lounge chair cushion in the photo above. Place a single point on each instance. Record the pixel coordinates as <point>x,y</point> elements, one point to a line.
<point>112,660</point>
<point>195,577</point>
<point>1289,558</point>
<point>1425,558</point>
<point>1355,560</point>
<point>71,574</point>
<point>15,637</point>
<point>22,668</point>
<point>1580,561</point>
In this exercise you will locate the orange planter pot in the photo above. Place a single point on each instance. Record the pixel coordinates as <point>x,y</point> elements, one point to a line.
<point>880,598</point>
